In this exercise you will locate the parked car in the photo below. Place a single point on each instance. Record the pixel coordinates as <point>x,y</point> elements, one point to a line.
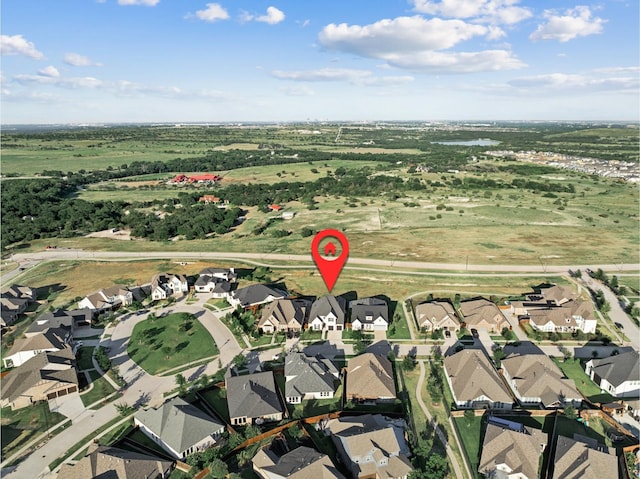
<point>474,333</point>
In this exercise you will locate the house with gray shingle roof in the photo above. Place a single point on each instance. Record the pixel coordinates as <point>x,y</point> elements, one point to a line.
<point>254,295</point>
<point>164,285</point>
<point>535,379</point>
<point>253,398</point>
<point>328,312</point>
<point>511,454</point>
<point>300,463</point>
<point>369,314</point>
<point>14,300</point>
<point>474,382</point>
<point>59,318</point>
<point>575,459</point>
<point>309,377</point>
<point>106,462</point>
<point>179,427</point>
<point>618,375</point>
<point>45,376</point>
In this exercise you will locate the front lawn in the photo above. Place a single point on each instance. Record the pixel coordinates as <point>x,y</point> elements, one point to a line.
<point>572,368</point>
<point>101,389</point>
<point>20,426</point>
<point>161,344</point>
<point>399,329</point>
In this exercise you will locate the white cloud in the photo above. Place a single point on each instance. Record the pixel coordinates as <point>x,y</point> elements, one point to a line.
<point>212,13</point>
<point>72,83</point>
<point>358,77</point>
<point>575,83</point>
<point>78,60</point>
<point>415,43</point>
<point>297,90</point>
<point>272,17</point>
<point>17,45</point>
<point>400,34</point>
<point>49,71</point>
<point>576,22</point>
<point>633,69</point>
<point>146,3</point>
<point>487,11</point>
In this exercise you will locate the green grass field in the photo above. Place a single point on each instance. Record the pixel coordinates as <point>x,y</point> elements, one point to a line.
<point>101,389</point>
<point>573,369</point>
<point>20,426</point>
<point>150,338</point>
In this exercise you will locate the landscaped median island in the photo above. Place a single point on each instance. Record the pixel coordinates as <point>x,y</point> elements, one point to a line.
<point>162,344</point>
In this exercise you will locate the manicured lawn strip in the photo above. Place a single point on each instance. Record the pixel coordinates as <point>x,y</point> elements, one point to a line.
<point>259,341</point>
<point>573,370</point>
<point>83,357</point>
<point>101,389</point>
<point>21,426</point>
<point>470,431</point>
<point>150,338</point>
<point>399,329</point>
<point>217,399</point>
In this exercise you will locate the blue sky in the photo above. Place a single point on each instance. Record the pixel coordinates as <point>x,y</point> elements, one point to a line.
<point>101,61</point>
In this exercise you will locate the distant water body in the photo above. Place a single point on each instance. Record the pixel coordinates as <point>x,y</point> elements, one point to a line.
<point>478,142</point>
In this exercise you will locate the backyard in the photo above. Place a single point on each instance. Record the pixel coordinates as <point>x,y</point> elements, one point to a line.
<point>162,344</point>
<point>573,369</point>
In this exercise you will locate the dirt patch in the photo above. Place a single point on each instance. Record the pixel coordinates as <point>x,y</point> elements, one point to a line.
<point>116,234</point>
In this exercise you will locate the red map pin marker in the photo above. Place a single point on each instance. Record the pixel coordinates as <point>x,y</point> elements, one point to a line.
<point>326,260</point>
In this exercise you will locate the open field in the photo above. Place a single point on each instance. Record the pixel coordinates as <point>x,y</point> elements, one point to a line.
<point>79,278</point>
<point>22,425</point>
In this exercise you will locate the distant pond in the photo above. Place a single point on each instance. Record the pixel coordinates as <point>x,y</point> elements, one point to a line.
<point>478,142</point>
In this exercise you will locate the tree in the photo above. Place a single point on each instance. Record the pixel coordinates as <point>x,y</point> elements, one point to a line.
<point>469,415</point>
<point>409,363</point>
<point>181,381</point>
<point>498,355</point>
<point>570,412</point>
<point>218,469</point>
<point>436,467</point>
<point>123,409</point>
<point>166,350</point>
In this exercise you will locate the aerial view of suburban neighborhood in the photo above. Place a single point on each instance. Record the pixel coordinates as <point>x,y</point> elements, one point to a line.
<point>245,240</point>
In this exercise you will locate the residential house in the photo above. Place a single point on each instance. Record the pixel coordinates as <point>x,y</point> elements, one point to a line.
<point>583,458</point>
<point>570,317</point>
<point>179,427</point>
<point>14,301</point>
<point>114,463</point>
<point>371,446</point>
<point>328,312</point>
<point>474,382</point>
<point>483,314</point>
<point>437,315</point>
<point>300,463</point>
<point>44,376</point>
<point>206,199</point>
<point>224,274</point>
<point>53,339</point>
<point>309,377</point>
<point>59,318</point>
<point>369,314</point>
<point>511,454</point>
<point>619,375</point>
<point>164,285</point>
<point>254,295</point>
<point>216,281</point>
<point>253,398</point>
<point>535,380</point>
<point>370,379</point>
<point>284,315</point>
<point>107,299</point>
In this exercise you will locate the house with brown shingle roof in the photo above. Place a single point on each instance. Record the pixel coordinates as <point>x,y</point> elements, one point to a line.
<point>300,463</point>
<point>286,315</point>
<point>437,315</point>
<point>44,376</point>
<point>570,317</point>
<point>575,459</point>
<point>114,463</point>
<point>371,446</point>
<point>474,382</point>
<point>370,378</point>
<point>53,339</point>
<point>535,380</point>
<point>510,454</point>
<point>482,313</point>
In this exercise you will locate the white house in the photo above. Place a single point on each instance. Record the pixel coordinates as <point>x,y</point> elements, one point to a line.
<point>328,313</point>
<point>164,285</point>
<point>618,375</point>
<point>53,339</point>
<point>369,314</point>
<point>109,298</point>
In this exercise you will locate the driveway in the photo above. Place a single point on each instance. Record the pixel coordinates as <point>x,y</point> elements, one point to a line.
<point>70,406</point>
